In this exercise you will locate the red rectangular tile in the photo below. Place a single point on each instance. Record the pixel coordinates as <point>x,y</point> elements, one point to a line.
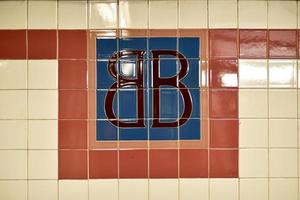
<point>224,103</point>
<point>223,73</point>
<point>73,104</point>
<point>72,74</point>
<point>283,44</point>
<point>72,164</point>
<point>223,43</point>
<point>193,163</point>
<point>223,163</point>
<point>72,134</point>
<point>72,44</point>
<point>103,164</point>
<point>13,44</point>
<point>224,133</point>
<point>133,164</point>
<point>253,43</point>
<point>163,163</point>
<point>42,44</point>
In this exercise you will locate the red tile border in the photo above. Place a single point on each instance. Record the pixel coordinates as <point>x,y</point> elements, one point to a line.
<point>72,74</point>
<point>223,164</point>
<point>72,134</point>
<point>193,163</point>
<point>283,44</point>
<point>13,44</point>
<point>72,104</point>
<point>133,163</point>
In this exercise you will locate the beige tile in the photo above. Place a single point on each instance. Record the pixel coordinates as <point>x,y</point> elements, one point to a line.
<point>42,14</point>
<point>161,189</point>
<point>42,104</point>
<point>282,14</point>
<point>282,73</point>
<point>72,14</point>
<point>283,162</point>
<point>254,188</point>
<point>13,14</point>
<point>253,103</point>
<point>42,134</point>
<point>13,74</point>
<point>42,164</point>
<point>42,74</point>
<point>45,189</point>
<point>222,13</point>
<point>283,132</point>
<point>253,163</point>
<point>253,133</point>
<point>102,15</point>
<point>13,104</point>
<point>193,189</point>
<point>13,134</point>
<point>282,103</point>
<point>253,14</point>
<point>298,104</point>
<point>224,189</point>
<point>283,189</point>
<point>133,189</point>
<point>103,189</point>
<point>133,14</point>
<point>163,14</point>
<point>13,164</point>
<point>13,190</point>
<point>73,189</point>
<point>192,13</point>
<point>253,73</point>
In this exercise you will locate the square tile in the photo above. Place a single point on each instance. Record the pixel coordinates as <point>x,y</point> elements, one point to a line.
<point>42,104</point>
<point>223,163</point>
<point>104,189</point>
<point>103,164</point>
<point>193,14</point>
<point>73,104</point>
<point>133,189</point>
<point>102,14</point>
<point>44,189</point>
<point>282,103</point>
<point>129,18</point>
<point>42,164</point>
<point>193,163</point>
<point>133,163</point>
<point>73,189</point>
<point>253,163</point>
<point>42,134</point>
<point>283,44</point>
<point>253,103</point>
<point>225,189</point>
<point>163,163</point>
<point>106,130</point>
<point>163,14</point>
<point>13,134</point>
<point>17,9</point>
<point>72,14</point>
<point>224,133</point>
<point>72,74</point>
<point>283,189</point>
<point>42,14</point>
<point>283,162</point>
<point>8,189</point>
<point>224,103</point>
<point>12,70</point>
<point>163,189</point>
<point>253,133</point>
<point>193,189</point>
<point>12,43</point>
<point>252,14</point>
<point>282,73</point>
<point>254,188</point>
<point>13,104</point>
<point>42,74</point>
<point>72,44</point>
<point>222,14</point>
<point>13,164</point>
<point>72,164</point>
<point>282,14</point>
<point>253,73</point>
<point>72,134</point>
<point>42,44</point>
<point>283,133</point>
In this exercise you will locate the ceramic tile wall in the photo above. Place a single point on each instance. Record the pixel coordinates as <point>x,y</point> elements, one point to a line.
<point>252,53</point>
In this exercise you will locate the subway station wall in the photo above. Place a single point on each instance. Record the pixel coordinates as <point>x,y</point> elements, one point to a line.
<point>149,100</point>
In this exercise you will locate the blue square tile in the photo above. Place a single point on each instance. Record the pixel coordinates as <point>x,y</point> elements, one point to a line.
<point>192,79</point>
<point>140,133</point>
<point>106,130</point>
<point>190,130</point>
<point>169,133</point>
<point>106,47</point>
<point>163,43</point>
<point>189,47</point>
<point>133,44</point>
<point>101,95</point>
<point>195,97</point>
<point>104,78</point>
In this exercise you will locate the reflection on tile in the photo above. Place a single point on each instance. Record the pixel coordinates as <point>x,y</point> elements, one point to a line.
<point>253,73</point>
<point>253,43</point>
<point>223,73</point>
<point>282,44</point>
<point>282,73</point>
